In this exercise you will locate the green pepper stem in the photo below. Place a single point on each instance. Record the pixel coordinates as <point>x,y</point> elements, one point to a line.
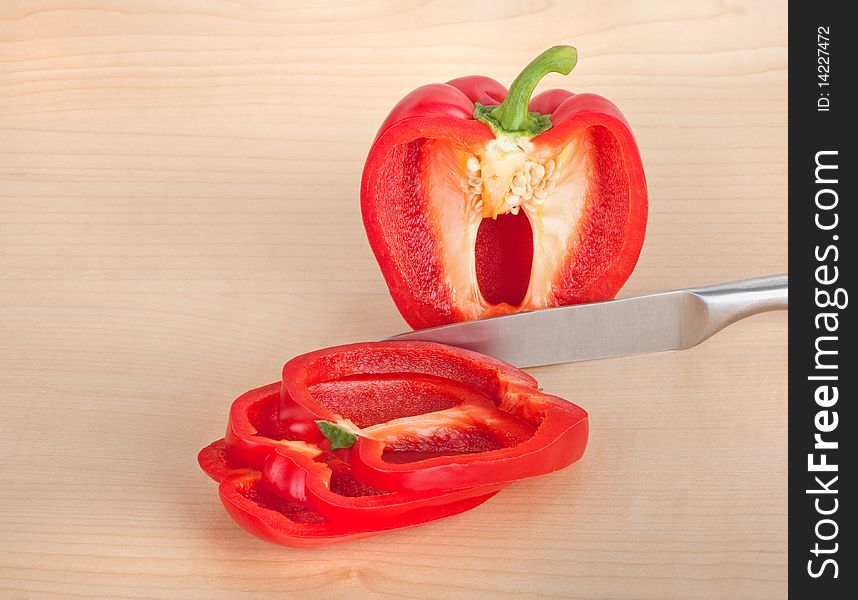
<point>512,114</point>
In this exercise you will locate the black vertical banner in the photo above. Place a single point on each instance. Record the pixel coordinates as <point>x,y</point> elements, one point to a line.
<point>822,363</point>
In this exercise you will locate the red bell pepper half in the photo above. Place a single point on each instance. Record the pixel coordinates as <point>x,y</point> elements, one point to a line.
<point>365,438</point>
<point>480,202</point>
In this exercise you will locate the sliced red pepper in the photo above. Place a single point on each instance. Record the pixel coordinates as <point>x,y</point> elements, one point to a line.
<point>479,202</point>
<point>291,492</point>
<point>432,431</point>
<point>503,428</point>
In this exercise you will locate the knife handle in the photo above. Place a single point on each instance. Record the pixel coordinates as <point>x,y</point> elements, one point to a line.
<point>727,303</point>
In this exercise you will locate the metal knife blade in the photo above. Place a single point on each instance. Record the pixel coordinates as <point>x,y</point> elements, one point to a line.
<point>653,323</point>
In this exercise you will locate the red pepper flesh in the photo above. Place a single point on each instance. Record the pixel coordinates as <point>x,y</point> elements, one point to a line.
<point>281,521</point>
<point>475,206</point>
<point>330,489</point>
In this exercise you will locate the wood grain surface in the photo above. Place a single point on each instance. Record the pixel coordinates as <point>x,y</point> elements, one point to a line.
<point>179,215</point>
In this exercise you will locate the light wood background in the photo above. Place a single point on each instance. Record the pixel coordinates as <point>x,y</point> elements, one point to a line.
<point>179,215</point>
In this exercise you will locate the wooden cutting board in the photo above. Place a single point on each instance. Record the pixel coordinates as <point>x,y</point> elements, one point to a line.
<point>179,215</point>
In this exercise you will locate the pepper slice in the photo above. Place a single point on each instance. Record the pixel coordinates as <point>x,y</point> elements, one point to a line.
<point>503,427</point>
<point>480,202</point>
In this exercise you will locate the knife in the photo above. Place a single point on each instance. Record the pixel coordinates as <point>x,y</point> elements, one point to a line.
<point>673,320</point>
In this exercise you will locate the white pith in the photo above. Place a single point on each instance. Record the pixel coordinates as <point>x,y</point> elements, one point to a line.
<point>428,425</point>
<point>300,447</point>
<point>508,176</point>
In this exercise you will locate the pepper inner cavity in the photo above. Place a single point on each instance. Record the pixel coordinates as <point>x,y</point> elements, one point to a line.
<point>503,248</point>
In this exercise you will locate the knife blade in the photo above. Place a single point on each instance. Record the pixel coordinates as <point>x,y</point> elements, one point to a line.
<point>673,320</point>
